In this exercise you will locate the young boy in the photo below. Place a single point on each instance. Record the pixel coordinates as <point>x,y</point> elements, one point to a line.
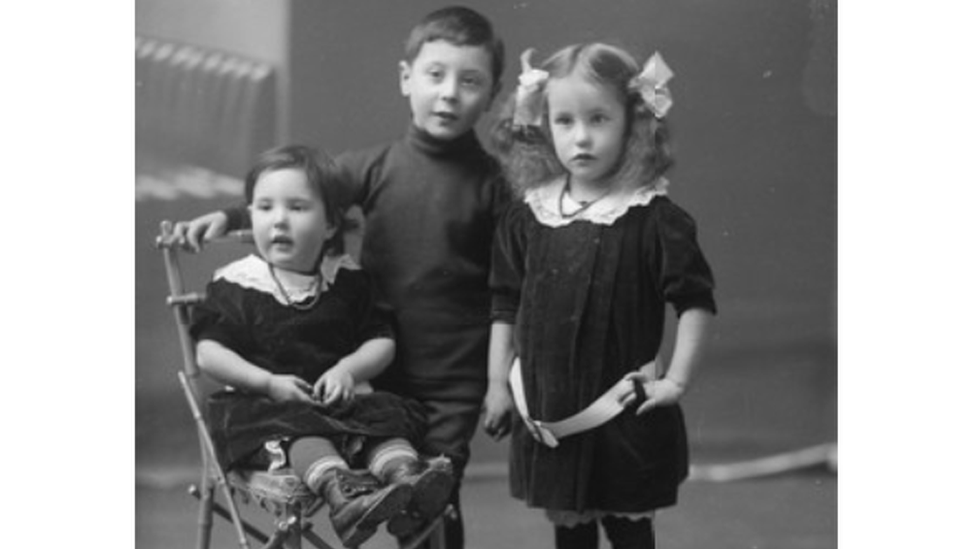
<point>430,201</point>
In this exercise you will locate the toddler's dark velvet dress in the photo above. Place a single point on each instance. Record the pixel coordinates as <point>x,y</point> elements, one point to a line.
<point>587,297</point>
<point>246,312</point>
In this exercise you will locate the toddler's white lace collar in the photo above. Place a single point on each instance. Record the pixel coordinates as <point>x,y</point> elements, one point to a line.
<point>252,272</point>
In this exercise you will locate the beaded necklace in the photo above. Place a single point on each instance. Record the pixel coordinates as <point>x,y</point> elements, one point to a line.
<point>316,285</point>
<point>583,205</point>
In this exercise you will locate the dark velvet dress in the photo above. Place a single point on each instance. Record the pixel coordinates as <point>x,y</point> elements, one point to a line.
<point>588,303</point>
<point>431,207</point>
<point>245,312</point>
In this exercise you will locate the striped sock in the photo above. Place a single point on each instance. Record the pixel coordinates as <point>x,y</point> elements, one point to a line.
<point>315,472</point>
<point>389,452</point>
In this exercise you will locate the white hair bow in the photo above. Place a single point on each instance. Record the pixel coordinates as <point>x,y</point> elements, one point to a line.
<point>529,99</point>
<point>652,82</point>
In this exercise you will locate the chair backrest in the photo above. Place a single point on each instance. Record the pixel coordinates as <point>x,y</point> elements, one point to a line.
<point>181,302</point>
<point>181,299</point>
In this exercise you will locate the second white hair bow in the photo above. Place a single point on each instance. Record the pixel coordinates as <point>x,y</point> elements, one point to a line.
<point>652,84</point>
<point>529,99</point>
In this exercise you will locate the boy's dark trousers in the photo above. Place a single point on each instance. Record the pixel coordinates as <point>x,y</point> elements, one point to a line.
<point>450,426</point>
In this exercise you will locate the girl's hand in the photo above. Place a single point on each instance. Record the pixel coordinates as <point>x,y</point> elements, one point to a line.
<point>284,388</point>
<point>661,392</point>
<point>499,409</point>
<point>335,385</point>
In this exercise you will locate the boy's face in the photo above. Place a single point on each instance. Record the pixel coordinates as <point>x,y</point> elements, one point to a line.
<point>449,87</point>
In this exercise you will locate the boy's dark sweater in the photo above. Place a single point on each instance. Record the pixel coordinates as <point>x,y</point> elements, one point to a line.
<point>430,207</point>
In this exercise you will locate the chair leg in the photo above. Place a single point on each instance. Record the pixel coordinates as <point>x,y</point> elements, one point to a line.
<point>209,456</point>
<point>226,515</point>
<point>314,538</point>
<point>205,515</point>
<point>285,535</point>
<point>432,533</point>
<point>288,534</point>
<point>294,538</point>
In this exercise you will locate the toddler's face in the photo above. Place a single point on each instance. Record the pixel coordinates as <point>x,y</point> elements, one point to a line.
<point>449,87</point>
<point>288,220</point>
<point>588,122</point>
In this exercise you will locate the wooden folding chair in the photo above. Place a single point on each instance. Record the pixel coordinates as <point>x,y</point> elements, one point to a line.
<point>281,494</point>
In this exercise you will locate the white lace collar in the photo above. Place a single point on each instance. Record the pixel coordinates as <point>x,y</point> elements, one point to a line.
<point>252,272</point>
<point>544,202</point>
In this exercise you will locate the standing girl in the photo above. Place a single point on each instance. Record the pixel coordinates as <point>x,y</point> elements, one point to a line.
<point>295,333</point>
<point>582,269</point>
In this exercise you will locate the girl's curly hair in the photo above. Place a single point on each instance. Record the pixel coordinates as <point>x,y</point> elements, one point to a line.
<point>527,154</point>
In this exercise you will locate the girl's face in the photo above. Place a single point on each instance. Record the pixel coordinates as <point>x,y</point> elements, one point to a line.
<point>587,122</point>
<point>449,87</point>
<point>288,220</point>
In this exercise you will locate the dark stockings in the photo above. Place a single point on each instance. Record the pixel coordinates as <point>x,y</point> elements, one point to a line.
<point>623,533</point>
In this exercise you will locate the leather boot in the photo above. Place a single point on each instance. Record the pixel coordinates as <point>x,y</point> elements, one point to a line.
<point>358,504</point>
<point>431,481</point>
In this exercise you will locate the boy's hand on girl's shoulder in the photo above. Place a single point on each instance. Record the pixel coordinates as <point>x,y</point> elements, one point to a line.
<point>499,410</point>
<point>192,234</point>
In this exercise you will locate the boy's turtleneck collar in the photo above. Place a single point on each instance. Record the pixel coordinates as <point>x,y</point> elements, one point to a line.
<point>467,142</point>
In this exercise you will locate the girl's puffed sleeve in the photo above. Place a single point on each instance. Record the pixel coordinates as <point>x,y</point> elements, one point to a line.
<point>684,276</point>
<point>221,317</point>
<point>508,265</point>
